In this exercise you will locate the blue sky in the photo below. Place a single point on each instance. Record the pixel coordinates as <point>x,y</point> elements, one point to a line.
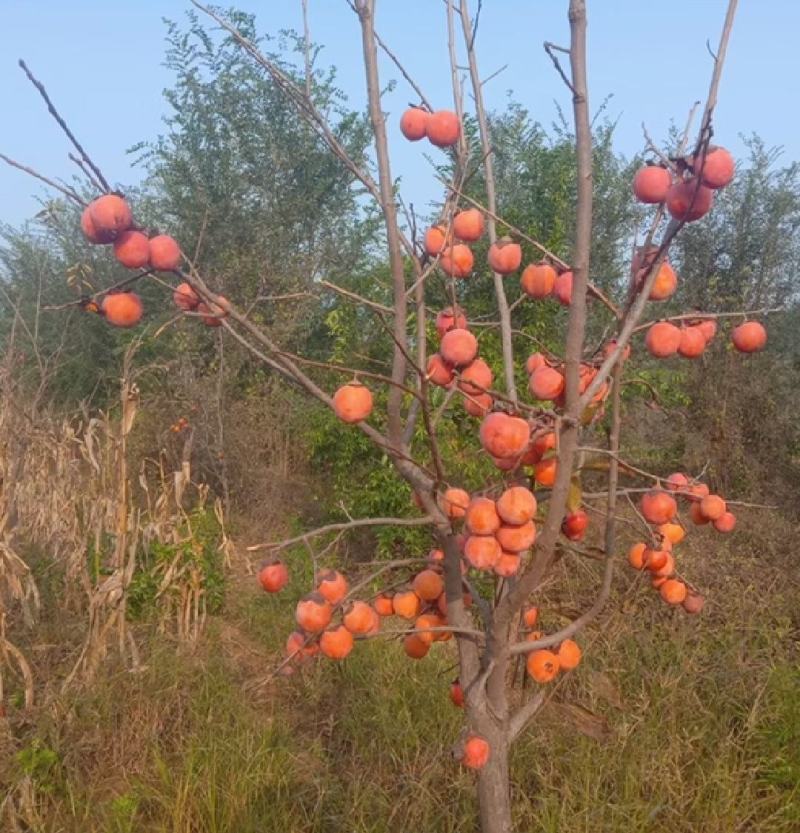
<point>102,63</point>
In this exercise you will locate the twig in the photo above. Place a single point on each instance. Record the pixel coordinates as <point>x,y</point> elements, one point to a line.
<point>548,48</point>
<point>68,192</point>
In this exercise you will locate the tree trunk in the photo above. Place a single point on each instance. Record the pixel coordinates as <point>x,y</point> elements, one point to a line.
<point>494,787</point>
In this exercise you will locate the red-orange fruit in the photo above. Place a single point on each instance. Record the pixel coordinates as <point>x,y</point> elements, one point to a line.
<point>663,339</point>
<point>441,602</point>
<point>414,124</point>
<point>696,514</point>
<point>457,693</point>
<point>444,128</point>
<point>574,525</point>
<point>482,517</point>
<point>674,533</point>
<point>458,347</point>
<point>665,284</point>
<point>658,507</point>
<point>516,538</point>
<point>654,559</point>
<point>476,752</point>
<point>537,280</point>
<point>562,289</point>
<point>457,261</point>
<point>530,615</point>
<point>482,551</point>
<point>213,313</point>
<point>132,249</point>
<point>185,297</point>
<point>546,383</point>
<point>332,585</point>
<point>716,168</point>
<point>313,613</point>
<point>476,378</point>
<point>454,502</point>
<point>110,215</point>
<point>713,507</point>
<point>673,591</point>
<point>468,225</point>
<point>544,443</point>
<point>693,603</point>
<point>636,556</point>
<point>436,556</point>
<point>165,254</point>
<point>375,622</point>
<point>677,481</point>
<point>428,585</point>
<point>406,604</point>
<point>358,618</point>
<point>90,232</point>
<point>569,655</point>
<point>534,362</point>
<point>336,643</point>
<point>478,406</point>
<point>435,240</point>
<point>449,319</point>
<point>725,522</point>
<point>352,402</point>
<point>708,328</point>
<point>273,576</point>
<point>545,471</point>
<point>657,581</point>
<point>508,564</point>
<point>666,569</point>
<point>122,309</point>
<point>517,505</point>
<point>504,436</point>
<point>415,647</point>
<point>422,626</point>
<point>505,256</point>
<point>383,605</point>
<point>749,337</point>
<point>651,183</point>
<point>439,371</point>
<point>688,200</point>
<point>297,648</point>
<point>693,342</point>
<point>506,463</point>
<point>543,665</point>
<point>697,491</point>
<point>612,346</point>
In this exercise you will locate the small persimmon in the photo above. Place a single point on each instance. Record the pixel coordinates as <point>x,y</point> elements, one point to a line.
<point>545,471</point>
<point>530,616</point>
<point>122,309</point>
<point>476,752</point>
<point>482,551</point>
<point>352,402</point>
<point>132,249</point>
<point>457,693</point>
<point>503,435</point>
<point>517,505</point>
<point>636,555</point>
<point>332,585</point>
<point>458,347</point>
<point>336,642</point>
<point>673,591</point>
<point>185,297</point>
<point>468,225</point>
<point>358,617</point>
<point>444,128</point>
<point>414,123</point>
<point>454,502</point>
<point>673,532</point>
<point>569,655</point>
<point>543,665</point>
<point>538,280</point>
<point>165,253</point>
<point>273,576</point>
<point>428,585</point>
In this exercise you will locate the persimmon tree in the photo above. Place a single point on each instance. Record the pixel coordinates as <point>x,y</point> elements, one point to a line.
<point>493,547</point>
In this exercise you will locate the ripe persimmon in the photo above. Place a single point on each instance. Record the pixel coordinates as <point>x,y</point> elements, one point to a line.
<point>122,309</point>
<point>663,339</point>
<point>505,256</point>
<point>458,347</point>
<point>665,284</point>
<point>517,505</point>
<point>749,337</point>
<point>673,532</point>
<point>478,406</point>
<point>428,585</point>
<point>636,555</point>
<point>546,383</point>
<point>476,752</point>
<point>132,249</point>
<point>537,280</point>
<point>658,507</point>
<point>688,200</point>
<point>545,471</point>
<point>476,378</point>
<point>530,615</point>
<point>716,167</point>
<point>468,225</point>
<point>677,481</point>
<point>185,297</point>
<point>562,289</point>
<point>415,647</point>
<point>696,514</point>
<point>383,605</point>
<point>273,576</point>
<point>336,642</point>
<point>358,617</point>
<point>693,603</point>
<point>516,538</point>
<point>574,525</point>
<point>110,215</point>
<point>673,591</point>
<point>534,362</point>
<point>651,183</point>
<point>457,260</point>
<point>457,693</point>
<point>332,585</point>
<point>726,522</point>
<point>543,665</point>
<point>482,551</point>
<point>439,372</point>
<point>406,604</point>
<point>414,123</point>
<point>313,613</point>
<point>713,507</point>
<point>503,435</point>
<point>454,502</point>
<point>708,327</point>
<point>569,655</point>
<point>508,564</point>
<point>352,402</point>
<point>90,231</point>
<point>482,517</point>
<point>443,128</point>
<point>436,240</point>
<point>165,253</point>
<point>692,343</point>
<point>450,318</point>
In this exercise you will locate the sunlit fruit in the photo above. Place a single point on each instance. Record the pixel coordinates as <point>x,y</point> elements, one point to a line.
<point>132,249</point>
<point>482,551</point>
<point>450,318</point>
<point>503,435</point>
<point>688,200</point>
<point>505,256</point>
<point>358,617</point>
<point>336,643</point>
<point>569,655</point>
<point>414,124</point>
<point>454,502</point>
<point>482,517</point>
<point>476,752</point>
<point>651,183</point>
<point>458,347</point>
<point>313,613</point>
<point>273,576</point>
<point>457,260</point>
<point>663,339</point>
<point>406,604</point>
<point>658,507</point>
<point>468,225</point>
<point>517,505</point>
<point>673,591</point>
<point>443,128</point>
<point>543,665</point>
<point>749,337</point>
<point>716,167</point>
<point>122,309</point>
<point>165,254</point>
<point>537,280</point>
<point>352,402</point>
<point>332,585</point>
<point>435,240</point>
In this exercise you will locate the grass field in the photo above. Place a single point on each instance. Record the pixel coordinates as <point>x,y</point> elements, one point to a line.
<point>672,724</point>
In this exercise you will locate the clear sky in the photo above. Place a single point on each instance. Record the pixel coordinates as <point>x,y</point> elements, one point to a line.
<point>102,63</point>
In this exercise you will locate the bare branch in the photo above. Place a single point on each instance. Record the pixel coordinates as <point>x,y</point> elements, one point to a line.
<point>68,192</point>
